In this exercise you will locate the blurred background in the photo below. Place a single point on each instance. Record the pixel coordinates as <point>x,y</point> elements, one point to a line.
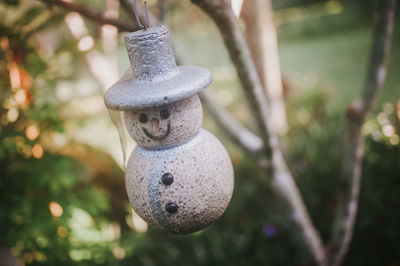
<point>62,194</point>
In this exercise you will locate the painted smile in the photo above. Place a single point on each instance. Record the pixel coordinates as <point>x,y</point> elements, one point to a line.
<point>161,137</point>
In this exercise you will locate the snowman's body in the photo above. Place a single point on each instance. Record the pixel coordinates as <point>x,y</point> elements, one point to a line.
<point>201,188</point>
<point>171,143</point>
<point>179,178</point>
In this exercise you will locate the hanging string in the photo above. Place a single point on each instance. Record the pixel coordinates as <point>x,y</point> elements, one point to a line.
<point>146,8</point>
<point>136,14</point>
<point>118,121</point>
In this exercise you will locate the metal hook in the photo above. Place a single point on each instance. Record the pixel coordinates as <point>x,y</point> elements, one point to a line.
<point>145,27</point>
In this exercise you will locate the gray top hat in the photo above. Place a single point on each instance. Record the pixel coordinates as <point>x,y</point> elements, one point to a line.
<point>154,79</point>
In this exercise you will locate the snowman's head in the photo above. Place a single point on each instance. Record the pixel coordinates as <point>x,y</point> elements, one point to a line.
<point>165,125</point>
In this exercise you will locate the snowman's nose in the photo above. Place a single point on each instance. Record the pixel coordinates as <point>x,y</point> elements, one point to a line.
<point>154,123</point>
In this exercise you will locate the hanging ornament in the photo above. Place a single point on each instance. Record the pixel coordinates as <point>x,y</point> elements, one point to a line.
<point>179,177</point>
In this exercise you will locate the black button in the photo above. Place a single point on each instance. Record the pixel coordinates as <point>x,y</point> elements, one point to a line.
<point>167,179</point>
<point>171,207</point>
<point>164,113</point>
<point>143,118</point>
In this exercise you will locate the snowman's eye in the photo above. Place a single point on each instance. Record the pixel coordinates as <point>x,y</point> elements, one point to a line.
<point>164,113</point>
<point>143,118</point>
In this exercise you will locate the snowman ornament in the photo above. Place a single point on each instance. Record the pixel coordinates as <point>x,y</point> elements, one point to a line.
<point>179,177</point>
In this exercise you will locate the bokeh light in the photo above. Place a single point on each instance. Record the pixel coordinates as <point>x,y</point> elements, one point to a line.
<point>119,253</point>
<point>55,209</point>
<point>388,130</point>
<point>12,115</point>
<point>136,223</point>
<point>86,43</point>
<point>37,151</point>
<point>21,96</point>
<point>15,78</point>
<point>62,231</point>
<point>78,28</point>
<point>32,132</point>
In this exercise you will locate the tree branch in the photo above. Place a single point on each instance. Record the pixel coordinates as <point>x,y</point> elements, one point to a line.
<point>263,44</point>
<point>94,15</point>
<point>220,11</point>
<point>281,180</point>
<point>239,134</point>
<point>356,114</point>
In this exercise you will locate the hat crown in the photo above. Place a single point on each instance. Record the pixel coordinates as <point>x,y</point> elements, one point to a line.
<point>154,78</point>
<point>150,52</point>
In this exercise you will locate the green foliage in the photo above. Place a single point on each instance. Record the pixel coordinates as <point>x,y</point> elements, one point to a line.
<point>11,2</point>
<point>376,230</point>
<point>315,145</point>
<point>51,212</point>
<point>316,148</point>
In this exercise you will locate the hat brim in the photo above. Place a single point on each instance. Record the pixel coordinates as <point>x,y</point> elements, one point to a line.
<point>130,94</point>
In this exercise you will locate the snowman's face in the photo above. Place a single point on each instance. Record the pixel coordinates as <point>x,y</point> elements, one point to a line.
<point>165,125</point>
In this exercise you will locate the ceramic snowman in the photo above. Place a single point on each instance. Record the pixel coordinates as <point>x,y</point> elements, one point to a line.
<point>179,177</point>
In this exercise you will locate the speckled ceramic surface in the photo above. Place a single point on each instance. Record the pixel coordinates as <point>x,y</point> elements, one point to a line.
<point>201,188</point>
<point>179,178</point>
<point>154,78</point>
<point>165,126</point>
